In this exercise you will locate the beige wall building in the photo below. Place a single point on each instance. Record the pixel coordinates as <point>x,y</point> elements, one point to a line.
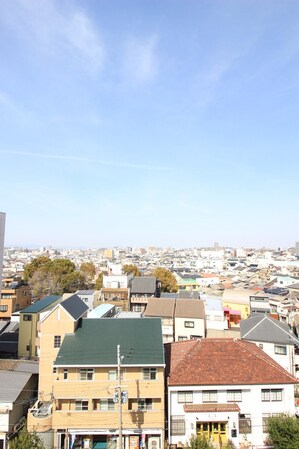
<point>79,389</point>
<point>29,326</point>
<point>15,296</point>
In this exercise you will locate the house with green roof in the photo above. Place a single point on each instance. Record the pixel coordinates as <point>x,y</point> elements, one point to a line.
<point>28,345</point>
<point>107,380</point>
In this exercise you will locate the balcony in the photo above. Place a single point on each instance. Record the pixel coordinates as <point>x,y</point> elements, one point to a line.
<point>40,416</point>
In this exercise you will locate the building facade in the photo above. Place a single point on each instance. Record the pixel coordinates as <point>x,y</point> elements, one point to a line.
<point>96,373</point>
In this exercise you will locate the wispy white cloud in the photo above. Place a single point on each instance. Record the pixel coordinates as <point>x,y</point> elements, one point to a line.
<point>90,160</point>
<point>46,24</point>
<point>141,59</point>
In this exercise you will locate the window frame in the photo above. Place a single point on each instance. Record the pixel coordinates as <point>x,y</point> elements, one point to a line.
<point>83,405</point>
<point>271,394</point>
<point>189,324</point>
<point>185,397</point>
<point>3,308</point>
<point>86,374</point>
<point>113,374</point>
<point>280,349</point>
<point>57,341</point>
<point>177,425</point>
<point>144,404</point>
<point>234,395</point>
<point>149,373</point>
<point>209,396</point>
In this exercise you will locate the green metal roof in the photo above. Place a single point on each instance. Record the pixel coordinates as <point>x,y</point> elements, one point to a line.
<point>95,343</point>
<point>40,305</point>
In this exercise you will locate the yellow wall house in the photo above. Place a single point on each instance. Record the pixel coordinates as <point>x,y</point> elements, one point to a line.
<point>100,378</point>
<point>28,345</point>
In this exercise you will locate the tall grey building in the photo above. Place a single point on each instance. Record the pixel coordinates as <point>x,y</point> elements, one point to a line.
<point>297,250</point>
<point>2,229</point>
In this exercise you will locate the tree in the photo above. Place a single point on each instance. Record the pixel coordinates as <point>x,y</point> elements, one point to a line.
<point>89,271</point>
<point>54,277</point>
<point>131,269</point>
<point>34,265</point>
<point>99,282</point>
<point>199,442</point>
<point>283,432</point>
<point>168,280</point>
<point>26,440</point>
<point>72,282</point>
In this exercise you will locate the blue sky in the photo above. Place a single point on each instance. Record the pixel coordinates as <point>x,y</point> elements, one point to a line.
<point>153,122</point>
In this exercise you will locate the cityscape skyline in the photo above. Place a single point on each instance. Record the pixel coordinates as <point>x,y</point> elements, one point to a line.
<point>170,124</point>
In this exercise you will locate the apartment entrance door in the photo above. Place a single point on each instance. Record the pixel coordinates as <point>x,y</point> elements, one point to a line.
<point>213,431</point>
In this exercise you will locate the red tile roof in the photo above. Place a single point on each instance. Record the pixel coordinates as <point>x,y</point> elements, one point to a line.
<point>222,362</point>
<point>210,408</point>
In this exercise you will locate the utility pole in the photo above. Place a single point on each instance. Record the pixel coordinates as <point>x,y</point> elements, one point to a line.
<point>120,430</point>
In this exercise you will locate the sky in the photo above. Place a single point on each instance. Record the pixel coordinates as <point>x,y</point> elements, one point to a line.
<point>149,122</point>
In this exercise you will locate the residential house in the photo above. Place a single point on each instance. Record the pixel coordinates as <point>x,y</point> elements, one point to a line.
<point>90,297</point>
<point>18,392</point>
<point>275,338</point>
<point>103,369</point>
<point>236,304</point>
<point>143,288</point>
<point>215,317</point>
<point>15,296</point>
<point>187,281</point>
<point>163,308</point>
<point>30,317</point>
<point>189,319</point>
<point>224,389</point>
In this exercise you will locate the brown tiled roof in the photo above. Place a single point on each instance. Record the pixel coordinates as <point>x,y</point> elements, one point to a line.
<point>210,408</point>
<point>160,307</point>
<point>190,308</point>
<point>222,362</point>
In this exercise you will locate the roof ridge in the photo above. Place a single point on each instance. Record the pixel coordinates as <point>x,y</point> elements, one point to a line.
<point>265,359</point>
<point>185,355</point>
<point>254,327</point>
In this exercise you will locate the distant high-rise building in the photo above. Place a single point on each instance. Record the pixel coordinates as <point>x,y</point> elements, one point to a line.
<point>2,229</point>
<point>297,250</point>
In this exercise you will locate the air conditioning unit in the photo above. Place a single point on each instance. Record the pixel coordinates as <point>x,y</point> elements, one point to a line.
<point>154,443</point>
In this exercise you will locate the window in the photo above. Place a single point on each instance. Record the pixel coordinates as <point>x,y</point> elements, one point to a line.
<point>106,405</point>
<point>86,374</point>
<point>271,395</point>
<point>195,337</point>
<point>81,405</point>
<point>245,423</point>
<point>278,349</point>
<point>145,404</point>
<point>113,374</point>
<point>177,425</point>
<point>185,397</point>
<point>3,308</point>
<point>150,373</point>
<point>189,323</point>
<point>65,374</point>
<point>209,396</point>
<point>54,370</point>
<point>182,338</point>
<point>234,395</point>
<point>57,341</point>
